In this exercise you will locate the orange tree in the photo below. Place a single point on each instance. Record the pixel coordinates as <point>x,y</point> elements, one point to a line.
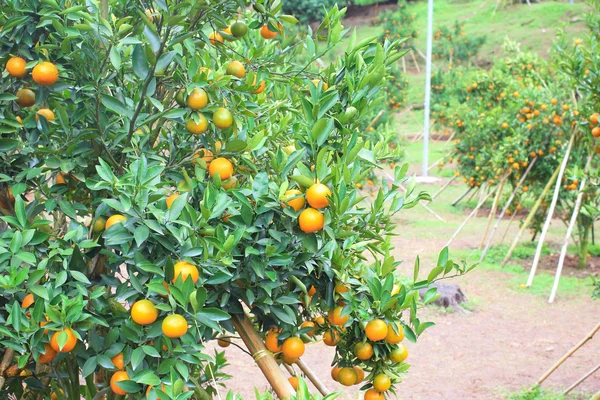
<point>166,168</point>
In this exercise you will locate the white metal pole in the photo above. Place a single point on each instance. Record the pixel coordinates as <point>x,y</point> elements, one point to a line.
<point>427,88</point>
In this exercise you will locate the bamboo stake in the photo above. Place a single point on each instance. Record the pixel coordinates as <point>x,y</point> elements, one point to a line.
<point>375,119</point>
<point>460,228</point>
<point>391,180</point>
<point>530,216</point>
<point>583,378</point>
<point>312,377</point>
<point>415,61</point>
<point>443,188</point>
<point>492,212</point>
<point>569,354</point>
<point>404,65</point>
<point>563,251</point>
<point>462,196</point>
<point>289,369</point>
<point>538,252</point>
<point>506,206</point>
<point>263,358</point>
<point>512,218</point>
<point>473,194</point>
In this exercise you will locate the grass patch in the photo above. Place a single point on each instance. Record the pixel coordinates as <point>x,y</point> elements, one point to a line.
<point>537,393</point>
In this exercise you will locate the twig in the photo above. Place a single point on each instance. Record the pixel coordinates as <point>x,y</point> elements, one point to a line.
<point>6,360</point>
<point>460,228</point>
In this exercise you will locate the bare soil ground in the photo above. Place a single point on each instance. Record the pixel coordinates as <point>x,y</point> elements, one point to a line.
<point>508,340</point>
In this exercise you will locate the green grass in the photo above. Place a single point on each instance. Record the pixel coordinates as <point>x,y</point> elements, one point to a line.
<point>537,393</point>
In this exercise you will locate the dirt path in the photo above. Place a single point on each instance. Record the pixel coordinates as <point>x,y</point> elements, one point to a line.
<point>506,343</point>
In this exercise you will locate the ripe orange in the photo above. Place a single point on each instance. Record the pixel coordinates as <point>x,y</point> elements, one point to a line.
<point>360,374</point>
<point>54,395</point>
<point>27,301</point>
<point>197,128</point>
<point>266,33</point>
<point>198,99</point>
<point>271,341</point>
<point>341,288</point>
<point>294,382</point>
<point>373,394</point>
<point>399,354</point>
<point>335,317</point>
<point>331,338</point>
<point>215,38</point>
<point>174,326</point>
<point>382,382</point>
<point>221,166</point>
<point>223,342</point>
<point>69,344</point>
<point>118,361</point>
<point>185,269</point>
<point>48,356</point>
<point>320,321</point>
<point>347,376</point>
<point>288,360</point>
<point>118,376</point>
<point>236,69</point>
<point>207,156</point>
<point>143,312</point>
<point>171,199</point>
<point>46,113</point>
<point>363,351</point>
<point>334,373</point>
<point>230,183</point>
<point>312,291</point>
<point>222,118</point>
<point>594,118</point>
<point>311,325</point>
<point>293,347</point>
<point>596,131</point>
<point>45,74</point>
<point>114,219</point>
<point>261,87</point>
<point>25,98</point>
<point>311,220</point>
<point>317,195</point>
<point>298,203</point>
<point>376,330</point>
<point>16,67</point>
<point>392,337</point>
<point>317,81</point>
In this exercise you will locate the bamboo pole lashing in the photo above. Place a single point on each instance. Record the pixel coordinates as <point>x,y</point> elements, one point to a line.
<point>492,212</point>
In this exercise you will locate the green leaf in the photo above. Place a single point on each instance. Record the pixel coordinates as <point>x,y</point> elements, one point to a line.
<point>115,58</point>
<point>260,186</point>
<point>20,211</point>
<point>8,145</point>
<point>115,105</point>
<point>140,64</point>
<point>322,129</point>
<point>89,367</point>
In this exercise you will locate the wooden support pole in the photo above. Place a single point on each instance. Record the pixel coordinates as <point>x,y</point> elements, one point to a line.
<point>5,363</point>
<point>415,61</point>
<point>460,228</point>
<point>538,252</point>
<point>443,188</point>
<point>506,206</point>
<point>572,223</point>
<point>312,377</point>
<point>583,378</point>
<point>492,212</point>
<point>263,358</point>
<point>569,354</point>
<point>512,218</point>
<point>462,196</point>
<point>375,119</point>
<point>530,216</point>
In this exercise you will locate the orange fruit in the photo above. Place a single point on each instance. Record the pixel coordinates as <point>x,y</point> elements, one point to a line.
<point>174,326</point>
<point>143,312</point>
<point>335,317</point>
<point>197,100</point>
<point>334,373</point>
<point>197,128</point>
<point>238,29</point>
<point>54,395</point>
<point>99,225</point>
<point>271,341</point>
<point>230,183</point>
<point>15,67</point>
<point>317,81</point>
<point>373,394</point>
<point>311,220</point>
<point>27,301</point>
<point>311,325</point>
<point>288,360</point>
<point>596,131</point>
<point>320,321</point>
<point>294,382</point>
<point>206,155</point>
<point>296,203</point>
<point>221,166</point>
<point>69,344</point>
<point>594,118</point>
<point>293,347</point>
<point>222,118</point>
<point>118,361</point>
<point>312,291</point>
<point>363,351</point>
<point>360,374</point>
<point>317,195</point>
<point>331,338</point>
<point>48,356</point>
<point>392,337</point>
<point>45,74</point>
<point>162,389</point>
<point>261,87</point>
<point>42,323</point>
<point>215,38</point>
<point>222,342</point>
<point>376,330</point>
<point>185,269</point>
<point>118,376</point>
<point>171,199</point>
<point>46,113</point>
<point>347,376</point>
<point>341,288</point>
<point>236,69</point>
<point>266,33</point>
<point>114,219</point>
<point>399,354</point>
<point>395,289</point>
<point>382,383</point>
<point>25,98</point>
